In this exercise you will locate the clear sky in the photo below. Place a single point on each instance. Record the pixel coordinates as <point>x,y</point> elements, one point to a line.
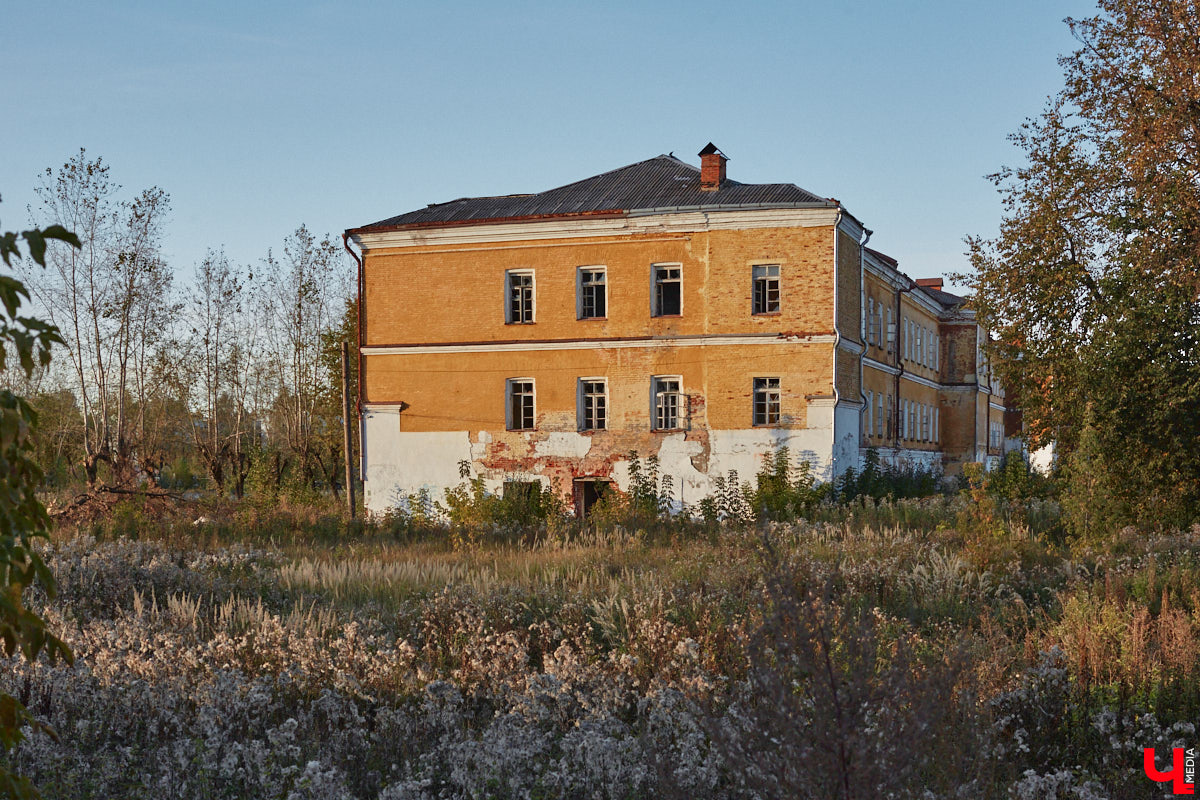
<point>259,116</point>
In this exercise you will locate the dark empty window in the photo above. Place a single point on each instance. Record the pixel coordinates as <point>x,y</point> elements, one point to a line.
<point>520,297</point>
<point>520,405</point>
<point>592,299</point>
<point>667,404</point>
<point>668,291</point>
<point>766,289</point>
<point>766,401</point>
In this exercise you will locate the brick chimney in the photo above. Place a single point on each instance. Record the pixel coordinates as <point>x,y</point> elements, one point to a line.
<point>712,168</point>
<point>930,283</point>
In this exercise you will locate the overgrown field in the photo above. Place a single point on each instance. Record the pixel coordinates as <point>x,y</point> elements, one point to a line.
<point>920,648</point>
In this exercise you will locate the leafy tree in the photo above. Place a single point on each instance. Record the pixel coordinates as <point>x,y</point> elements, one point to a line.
<point>330,439</point>
<point>1092,288</point>
<point>226,373</point>
<point>22,517</point>
<point>111,301</point>
<point>301,297</point>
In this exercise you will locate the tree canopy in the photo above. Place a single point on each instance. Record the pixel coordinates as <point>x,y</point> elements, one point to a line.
<point>1091,287</point>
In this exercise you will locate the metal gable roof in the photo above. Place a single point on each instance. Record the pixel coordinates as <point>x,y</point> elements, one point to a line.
<point>663,182</point>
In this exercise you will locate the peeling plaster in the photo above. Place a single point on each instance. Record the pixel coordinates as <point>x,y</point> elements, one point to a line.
<point>402,463</point>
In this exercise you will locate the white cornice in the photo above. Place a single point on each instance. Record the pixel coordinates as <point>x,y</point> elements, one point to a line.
<point>576,344</point>
<point>881,366</point>
<point>584,227</point>
<point>850,226</point>
<point>914,378</point>
<point>898,280</point>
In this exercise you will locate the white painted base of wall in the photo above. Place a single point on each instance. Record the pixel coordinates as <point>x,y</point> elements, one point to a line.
<point>847,418</point>
<point>928,460</point>
<point>398,464</point>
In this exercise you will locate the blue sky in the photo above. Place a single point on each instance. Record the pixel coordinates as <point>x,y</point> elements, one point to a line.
<point>257,117</point>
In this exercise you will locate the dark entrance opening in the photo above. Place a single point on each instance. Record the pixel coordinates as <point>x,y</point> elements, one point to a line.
<point>588,492</point>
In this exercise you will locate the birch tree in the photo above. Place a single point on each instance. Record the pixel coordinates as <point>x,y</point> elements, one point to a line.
<point>227,375</point>
<point>301,298</point>
<point>110,299</point>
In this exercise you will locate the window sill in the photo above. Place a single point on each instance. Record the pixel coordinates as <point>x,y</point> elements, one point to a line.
<point>531,322</point>
<point>766,313</point>
<point>520,430</point>
<point>666,316</point>
<point>591,319</point>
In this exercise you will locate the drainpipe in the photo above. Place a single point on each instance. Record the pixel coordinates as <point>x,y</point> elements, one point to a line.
<point>987,377</point>
<point>899,366</point>
<point>862,300</point>
<point>837,342</point>
<point>358,403</point>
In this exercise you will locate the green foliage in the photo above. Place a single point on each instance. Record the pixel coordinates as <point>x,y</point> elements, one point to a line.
<point>1092,501</point>
<point>181,474</point>
<point>729,504</point>
<point>878,480</point>
<point>476,514</point>
<point>22,516</point>
<point>645,506</point>
<point>781,492</point>
<point>265,477</point>
<point>1092,288</point>
<point>1015,479</point>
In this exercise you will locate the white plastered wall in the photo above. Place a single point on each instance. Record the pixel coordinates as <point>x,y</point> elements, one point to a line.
<point>398,464</point>
<point>846,423</point>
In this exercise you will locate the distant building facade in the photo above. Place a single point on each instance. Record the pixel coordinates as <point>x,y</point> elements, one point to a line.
<point>662,310</point>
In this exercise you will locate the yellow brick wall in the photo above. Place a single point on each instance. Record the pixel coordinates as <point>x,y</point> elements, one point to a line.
<point>958,427</point>
<point>911,311</point>
<point>457,293</point>
<point>849,307</point>
<point>879,383</point>
<point>847,375</point>
<point>884,296</point>
<point>466,391</point>
<point>958,353</point>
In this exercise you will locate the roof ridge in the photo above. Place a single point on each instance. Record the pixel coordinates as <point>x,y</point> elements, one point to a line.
<point>662,182</point>
<point>618,169</point>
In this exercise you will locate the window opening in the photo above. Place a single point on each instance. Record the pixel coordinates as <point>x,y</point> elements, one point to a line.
<point>520,405</point>
<point>666,404</point>
<point>668,294</point>
<point>520,297</point>
<point>766,401</point>
<point>593,414</point>
<point>592,287</point>
<point>766,289</point>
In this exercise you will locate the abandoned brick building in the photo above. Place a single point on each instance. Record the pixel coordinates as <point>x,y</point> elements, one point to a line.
<point>659,309</point>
